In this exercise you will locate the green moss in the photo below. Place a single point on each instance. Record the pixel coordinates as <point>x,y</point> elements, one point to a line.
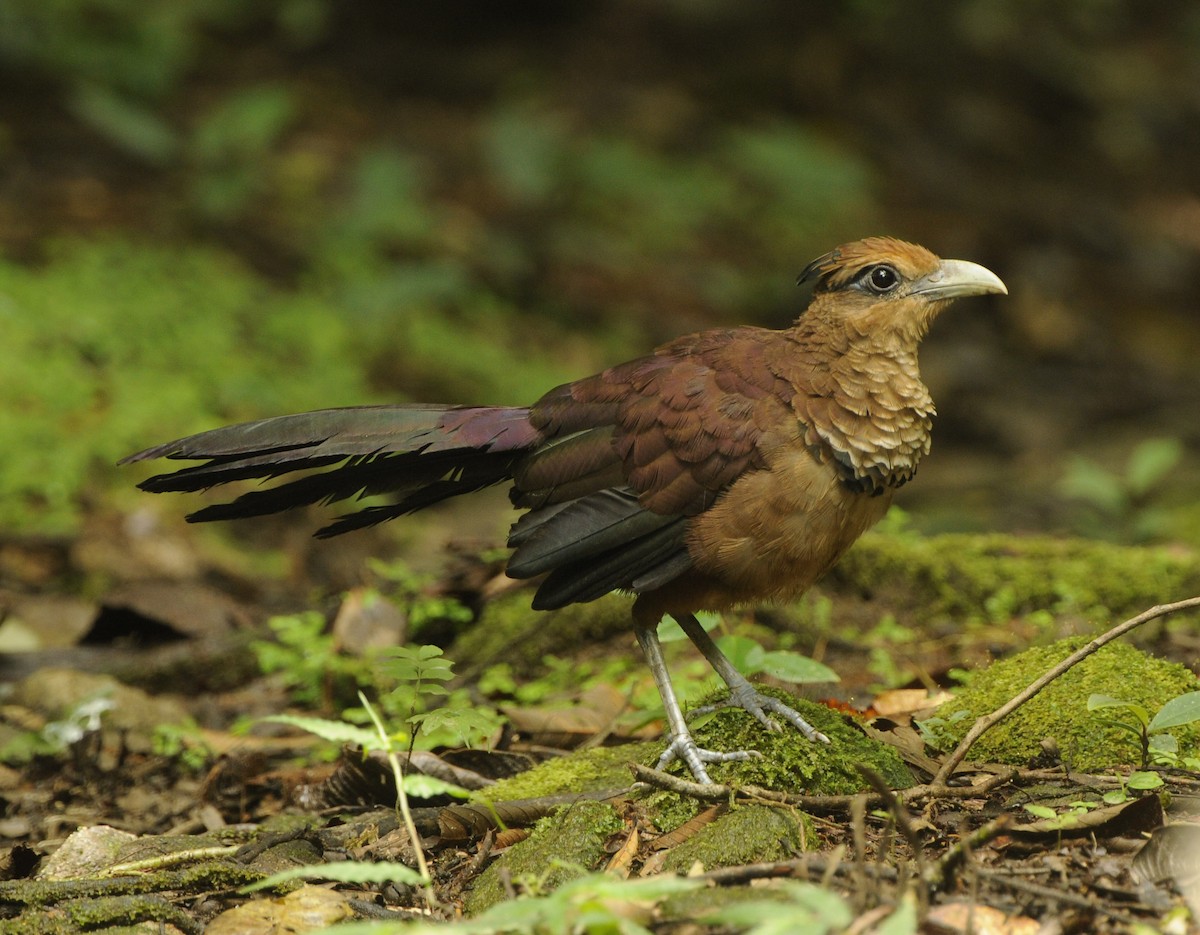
<point>668,810</point>
<point>997,577</point>
<point>110,345</point>
<point>744,835</point>
<point>560,848</point>
<point>1060,710</point>
<point>789,761</point>
<point>585,771</point>
<point>509,631</point>
<point>792,763</point>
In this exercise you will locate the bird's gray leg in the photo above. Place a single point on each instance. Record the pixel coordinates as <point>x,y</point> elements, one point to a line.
<point>741,693</point>
<point>681,746</point>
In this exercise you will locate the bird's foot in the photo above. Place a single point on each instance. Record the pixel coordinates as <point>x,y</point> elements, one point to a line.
<point>683,747</point>
<point>758,704</point>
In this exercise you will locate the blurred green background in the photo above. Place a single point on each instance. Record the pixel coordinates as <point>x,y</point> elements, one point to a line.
<point>212,210</point>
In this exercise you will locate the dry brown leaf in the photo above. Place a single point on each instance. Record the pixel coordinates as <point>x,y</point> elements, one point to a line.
<point>955,918</point>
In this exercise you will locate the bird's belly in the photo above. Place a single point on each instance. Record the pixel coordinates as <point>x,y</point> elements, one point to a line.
<point>775,532</point>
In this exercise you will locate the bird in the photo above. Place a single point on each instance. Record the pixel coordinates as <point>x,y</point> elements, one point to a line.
<point>729,467</point>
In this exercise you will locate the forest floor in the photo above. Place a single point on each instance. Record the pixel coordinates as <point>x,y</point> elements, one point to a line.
<point>140,786</point>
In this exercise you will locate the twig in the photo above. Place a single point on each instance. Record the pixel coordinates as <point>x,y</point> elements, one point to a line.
<point>715,792</point>
<point>802,867</point>
<point>903,821</point>
<point>858,829</point>
<point>163,861</point>
<point>1091,903</point>
<point>988,721</point>
<point>942,873</point>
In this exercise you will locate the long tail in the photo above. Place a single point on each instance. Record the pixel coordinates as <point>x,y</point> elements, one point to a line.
<point>422,454</point>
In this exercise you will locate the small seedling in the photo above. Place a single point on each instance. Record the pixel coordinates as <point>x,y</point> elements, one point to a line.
<point>1151,732</point>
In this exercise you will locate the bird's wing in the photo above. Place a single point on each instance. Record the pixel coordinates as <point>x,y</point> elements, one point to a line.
<point>633,453</point>
<point>680,426</point>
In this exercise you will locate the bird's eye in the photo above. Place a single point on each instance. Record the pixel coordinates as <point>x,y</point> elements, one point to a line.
<point>881,279</point>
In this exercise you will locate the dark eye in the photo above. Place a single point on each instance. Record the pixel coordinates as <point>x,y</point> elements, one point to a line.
<point>882,279</point>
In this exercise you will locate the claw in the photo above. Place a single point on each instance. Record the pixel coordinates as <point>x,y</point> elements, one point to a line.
<point>684,747</point>
<point>741,694</point>
<point>758,704</point>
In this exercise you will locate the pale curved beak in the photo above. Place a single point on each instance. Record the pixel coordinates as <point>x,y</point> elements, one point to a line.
<point>954,279</point>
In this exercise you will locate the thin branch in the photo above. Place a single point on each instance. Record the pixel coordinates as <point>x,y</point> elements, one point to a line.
<point>1088,902</point>
<point>716,792</point>
<point>801,867</point>
<point>988,721</point>
<point>943,872</point>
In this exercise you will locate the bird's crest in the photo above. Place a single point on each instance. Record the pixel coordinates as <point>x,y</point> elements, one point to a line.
<point>842,265</point>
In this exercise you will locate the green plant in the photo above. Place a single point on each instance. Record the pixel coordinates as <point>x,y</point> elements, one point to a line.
<point>340,871</point>
<point>750,657</point>
<point>408,680</point>
<point>408,590</point>
<point>183,743</point>
<point>415,784</point>
<point>1122,504</point>
<point>420,674</point>
<point>117,62</point>
<point>1139,780</point>
<point>231,149</point>
<point>793,907</point>
<point>55,737</point>
<point>1156,744</point>
<point>304,656</point>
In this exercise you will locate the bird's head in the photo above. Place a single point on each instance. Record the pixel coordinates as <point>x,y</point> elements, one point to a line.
<point>886,287</point>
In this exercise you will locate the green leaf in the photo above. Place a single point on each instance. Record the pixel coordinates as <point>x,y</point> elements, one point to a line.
<point>594,903</point>
<point>1163,743</point>
<point>1133,728</point>
<point>334,731</point>
<point>901,922</point>
<point>343,871</point>
<point>1041,811</point>
<point>420,786</point>
<point>1115,797</point>
<point>1096,702</point>
<point>745,654</point>
<point>670,632</point>
<point>808,908</point>
<point>1178,711</point>
<point>1150,462</point>
<point>244,124</point>
<point>468,725</point>
<point>1144,781</point>
<point>793,667</point>
<point>1088,481</point>
<point>136,129</point>
<point>417,664</point>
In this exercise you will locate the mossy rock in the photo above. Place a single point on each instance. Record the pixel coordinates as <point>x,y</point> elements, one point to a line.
<point>561,847</point>
<point>789,762</point>
<point>746,834</point>
<point>604,768</point>
<point>1060,711</point>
